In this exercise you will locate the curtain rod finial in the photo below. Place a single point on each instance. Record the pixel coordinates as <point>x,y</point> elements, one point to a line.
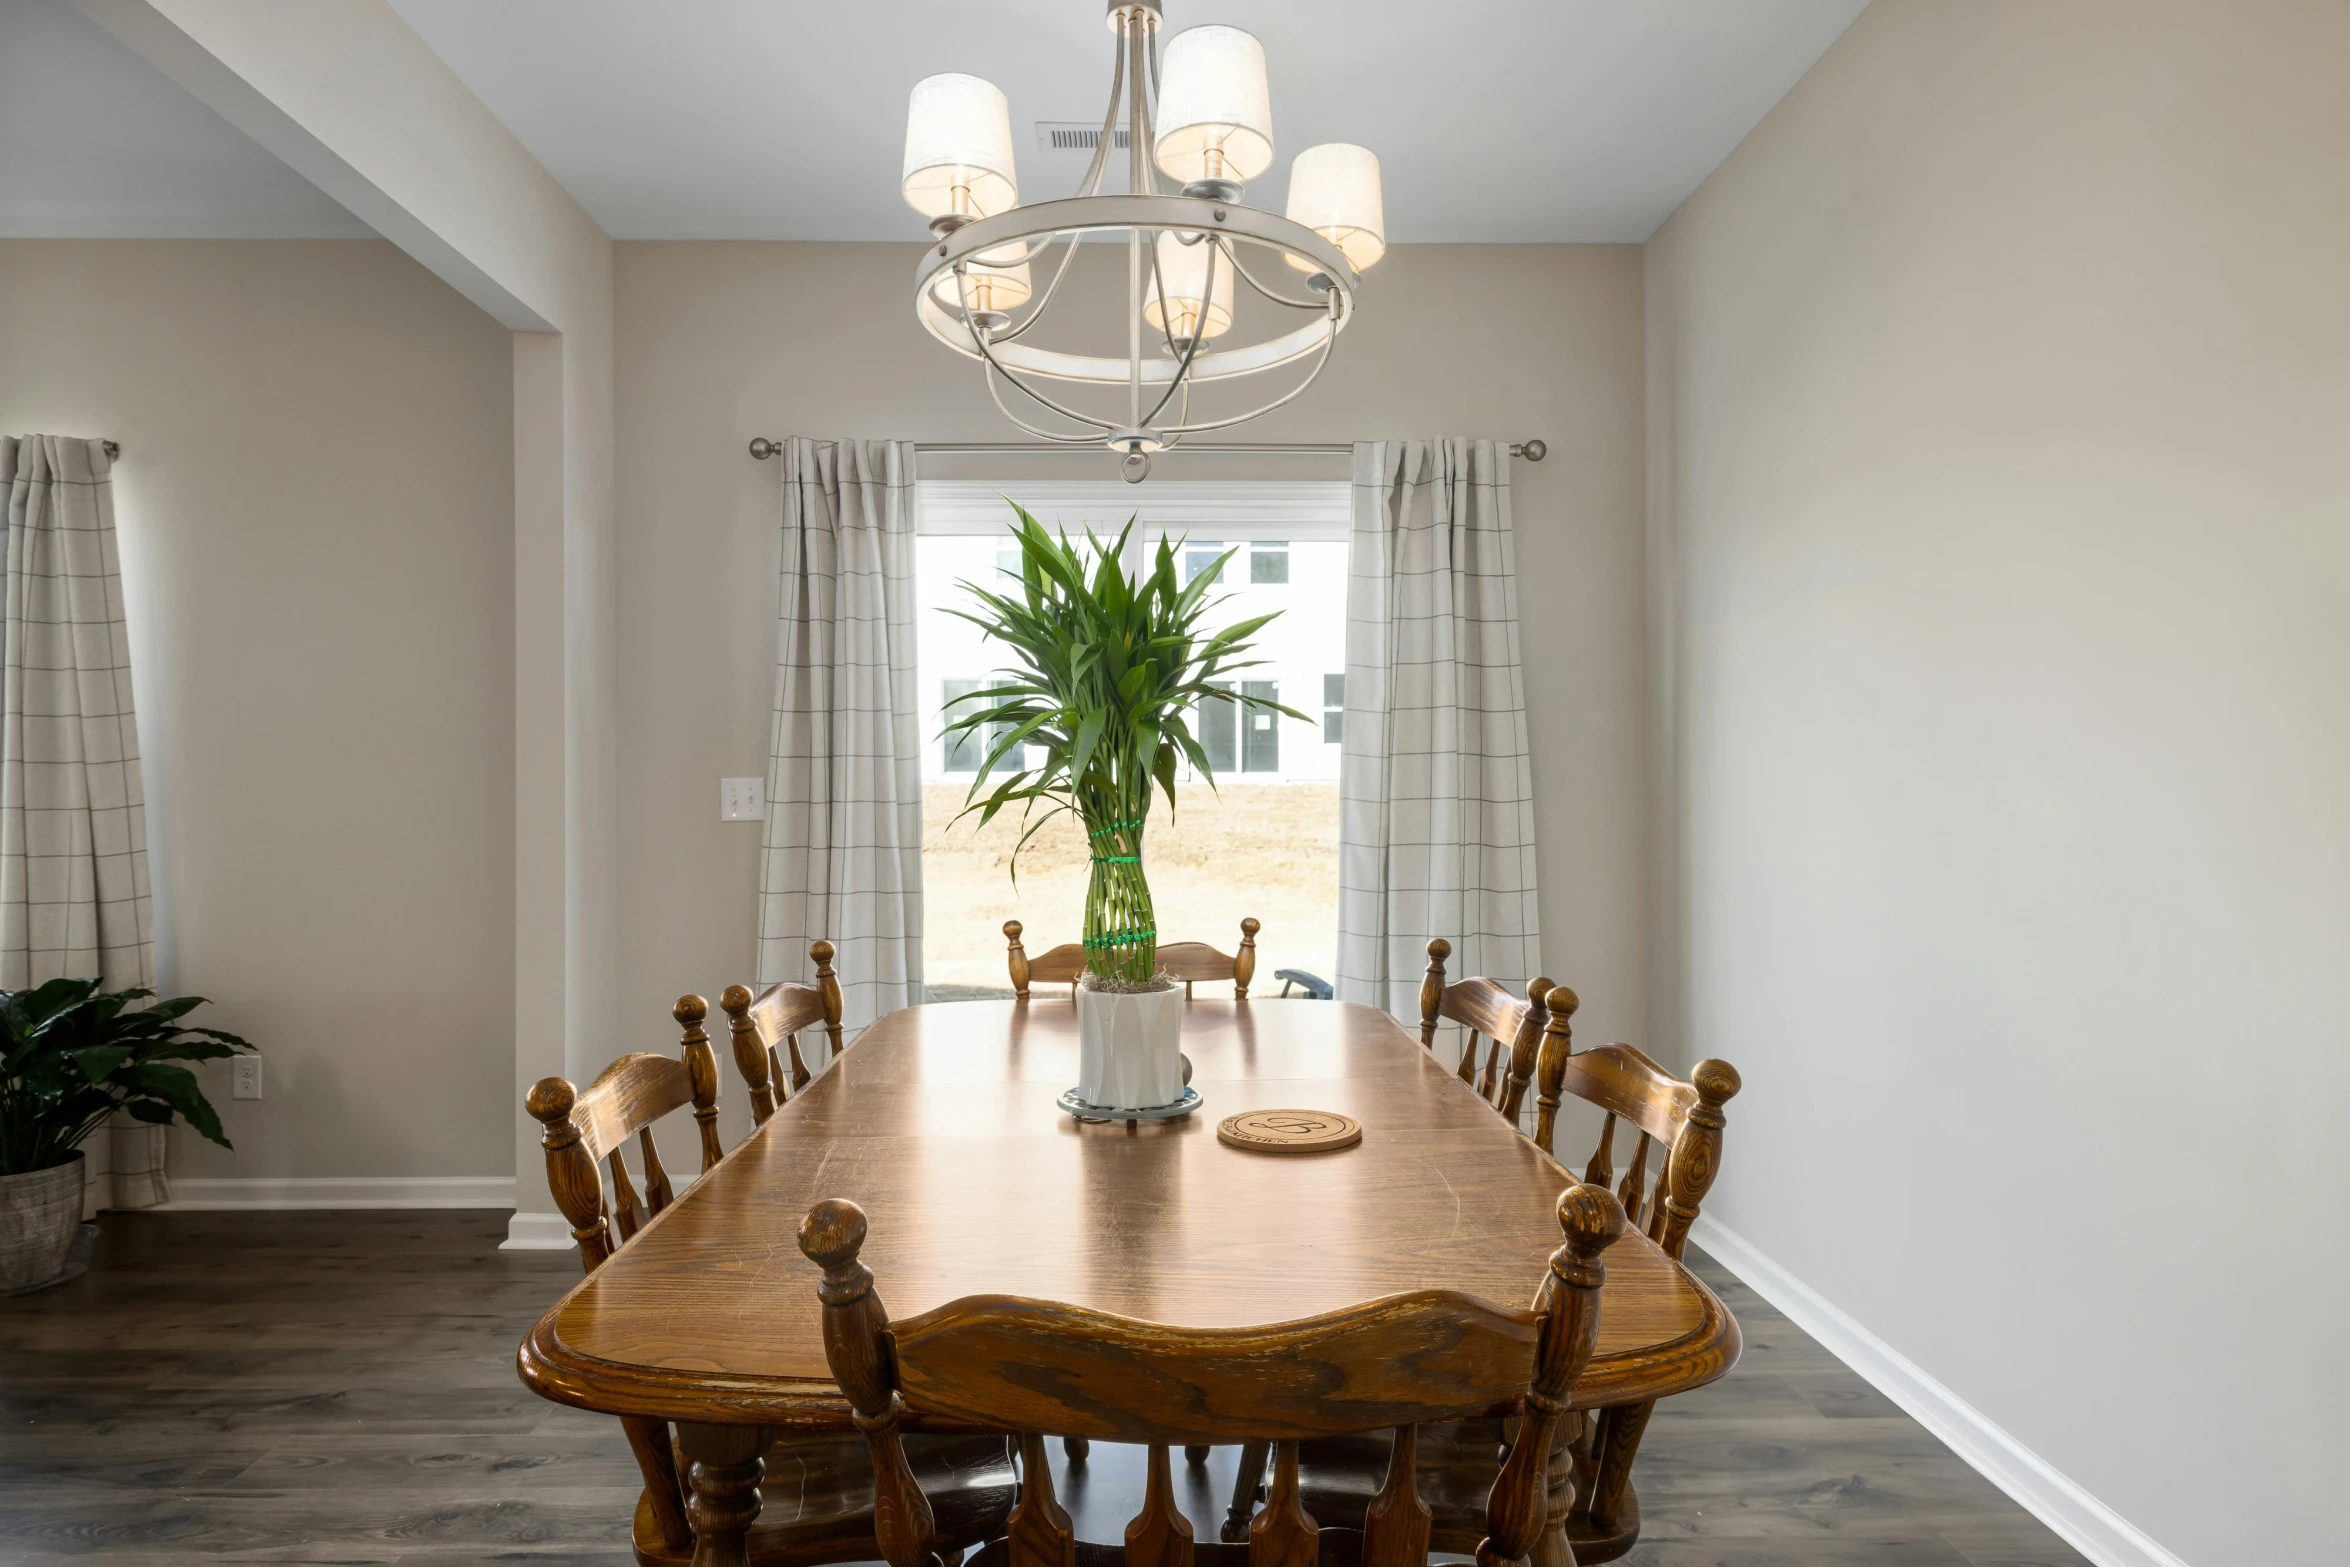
<point>1532,451</point>
<point>762,448</point>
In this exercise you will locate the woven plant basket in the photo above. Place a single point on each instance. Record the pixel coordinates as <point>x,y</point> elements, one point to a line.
<point>39,1212</point>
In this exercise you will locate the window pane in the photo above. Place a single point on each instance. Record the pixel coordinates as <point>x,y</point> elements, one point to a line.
<point>1260,745</point>
<point>1334,690</point>
<point>1333,725</point>
<point>1216,724</point>
<point>1198,559</point>
<point>963,753</point>
<point>1268,563</point>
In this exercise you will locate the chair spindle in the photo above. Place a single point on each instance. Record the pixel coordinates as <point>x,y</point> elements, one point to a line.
<point>1558,1042</point>
<point>762,1076</point>
<point>627,1213</point>
<point>1432,990</point>
<point>1283,1533</point>
<point>1601,1171</point>
<point>1159,1535</point>
<point>1396,1525</point>
<point>1040,1534</point>
<point>658,1192</point>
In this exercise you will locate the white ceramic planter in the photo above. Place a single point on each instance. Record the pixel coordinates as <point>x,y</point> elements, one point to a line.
<point>39,1212</point>
<point>1130,1047</point>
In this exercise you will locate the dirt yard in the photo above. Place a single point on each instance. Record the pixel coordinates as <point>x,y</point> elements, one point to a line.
<point>1268,850</point>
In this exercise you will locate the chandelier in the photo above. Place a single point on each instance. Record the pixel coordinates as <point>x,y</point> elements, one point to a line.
<point>1199,126</point>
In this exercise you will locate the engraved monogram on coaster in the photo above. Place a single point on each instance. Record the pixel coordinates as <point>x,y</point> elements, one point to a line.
<point>1289,1131</point>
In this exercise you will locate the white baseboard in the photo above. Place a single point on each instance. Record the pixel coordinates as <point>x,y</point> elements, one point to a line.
<point>418,1191</point>
<point>2085,1523</point>
<point>537,1232</point>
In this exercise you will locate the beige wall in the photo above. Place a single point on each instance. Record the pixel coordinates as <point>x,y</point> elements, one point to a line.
<point>717,343</point>
<point>2003,446</point>
<point>315,501</point>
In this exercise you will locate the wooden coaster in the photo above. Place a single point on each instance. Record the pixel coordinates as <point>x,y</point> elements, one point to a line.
<point>1289,1131</point>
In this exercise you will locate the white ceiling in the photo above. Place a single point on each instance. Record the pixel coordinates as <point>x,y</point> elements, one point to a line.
<point>1496,120</point>
<point>95,143</point>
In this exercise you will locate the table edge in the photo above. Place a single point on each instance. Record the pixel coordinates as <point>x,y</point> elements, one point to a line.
<point>557,1372</point>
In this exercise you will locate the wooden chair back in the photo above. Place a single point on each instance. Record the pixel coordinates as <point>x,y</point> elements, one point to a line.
<point>585,1132</point>
<point>1684,1119</point>
<point>1005,1363</point>
<point>1188,961</point>
<point>767,1028</point>
<point>1507,1032</point>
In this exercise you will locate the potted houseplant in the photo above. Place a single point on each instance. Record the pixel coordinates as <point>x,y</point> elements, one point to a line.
<point>1110,667</point>
<point>70,1056</point>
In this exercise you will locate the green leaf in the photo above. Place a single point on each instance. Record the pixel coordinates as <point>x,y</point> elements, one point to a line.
<point>97,1062</point>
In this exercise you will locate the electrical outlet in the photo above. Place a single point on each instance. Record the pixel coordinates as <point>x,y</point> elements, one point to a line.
<point>245,1078</point>
<point>742,799</point>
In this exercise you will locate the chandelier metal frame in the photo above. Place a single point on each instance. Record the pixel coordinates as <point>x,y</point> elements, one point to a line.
<point>1206,212</point>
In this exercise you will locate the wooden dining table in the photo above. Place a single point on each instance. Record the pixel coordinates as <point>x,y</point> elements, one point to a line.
<point>940,1121</point>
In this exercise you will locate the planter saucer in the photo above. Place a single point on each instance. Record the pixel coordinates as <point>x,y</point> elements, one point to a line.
<point>1092,1112</point>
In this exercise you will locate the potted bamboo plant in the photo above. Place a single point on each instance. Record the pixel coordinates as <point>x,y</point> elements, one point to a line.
<point>1111,666</point>
<point>70,1056</point>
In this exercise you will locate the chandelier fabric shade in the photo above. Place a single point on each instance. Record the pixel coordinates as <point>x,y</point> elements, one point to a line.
<point>1215,107</point>
<point>1334,190</point>
<point>1195,282</point>
<point>959,148</point>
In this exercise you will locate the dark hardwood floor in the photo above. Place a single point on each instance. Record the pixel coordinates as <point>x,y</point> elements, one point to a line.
<point>311,1387</point>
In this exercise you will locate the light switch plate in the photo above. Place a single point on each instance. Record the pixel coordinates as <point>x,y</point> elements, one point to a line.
<point>742,799</point>
<point>244,1077</point>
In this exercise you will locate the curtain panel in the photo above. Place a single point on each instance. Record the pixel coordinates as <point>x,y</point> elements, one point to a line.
<point>842,854</point>
<point>1436,808</point>
<point>74,899</point>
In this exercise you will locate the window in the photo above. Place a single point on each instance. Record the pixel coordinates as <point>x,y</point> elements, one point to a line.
<point>1263,842</point>
<point>1333,709</point>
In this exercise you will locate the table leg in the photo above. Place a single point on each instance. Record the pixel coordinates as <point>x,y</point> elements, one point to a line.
<point>724,1465</point>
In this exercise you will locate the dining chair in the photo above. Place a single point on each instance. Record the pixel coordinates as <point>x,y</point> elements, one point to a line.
<point>1682,1120</point>
<point>1685,1121</point>
<point>822,1485</point>
<point>768,1025</point>
<point>1499,1029</point>
<point>1029,1366</point>
<point>1188,961</point>
<point>1510,1030</point>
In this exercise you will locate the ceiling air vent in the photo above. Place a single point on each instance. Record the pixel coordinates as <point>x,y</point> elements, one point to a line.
<point>1074,136</point>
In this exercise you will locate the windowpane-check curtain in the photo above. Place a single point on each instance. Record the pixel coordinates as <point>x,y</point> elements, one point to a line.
<point>74,901</point>
<point>1436,812</point>
<point>842,858</point>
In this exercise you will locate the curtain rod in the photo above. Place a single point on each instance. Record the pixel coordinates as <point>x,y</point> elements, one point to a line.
<point>763,448</point>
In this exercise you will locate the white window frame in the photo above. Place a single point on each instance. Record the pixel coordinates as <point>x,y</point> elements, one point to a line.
<point>1231,511</point>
